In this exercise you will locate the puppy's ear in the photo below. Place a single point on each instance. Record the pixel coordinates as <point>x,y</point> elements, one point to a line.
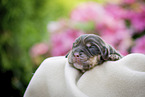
<point>103,48</point>
<point>105,53</point>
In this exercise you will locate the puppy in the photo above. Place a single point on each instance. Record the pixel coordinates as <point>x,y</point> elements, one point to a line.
<point>90,50</point>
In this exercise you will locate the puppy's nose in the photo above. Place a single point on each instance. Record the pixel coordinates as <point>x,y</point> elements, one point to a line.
<point>76,54</point>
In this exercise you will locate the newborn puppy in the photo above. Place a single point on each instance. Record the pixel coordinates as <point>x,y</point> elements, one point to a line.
<point>90,50</point>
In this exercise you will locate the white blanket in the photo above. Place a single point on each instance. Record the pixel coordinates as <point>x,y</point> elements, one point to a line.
<point>122,78</point>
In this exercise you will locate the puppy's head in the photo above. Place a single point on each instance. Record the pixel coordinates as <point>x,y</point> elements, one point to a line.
<point>88,50</point>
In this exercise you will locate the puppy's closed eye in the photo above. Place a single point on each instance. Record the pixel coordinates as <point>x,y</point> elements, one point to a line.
<point>93,49</point>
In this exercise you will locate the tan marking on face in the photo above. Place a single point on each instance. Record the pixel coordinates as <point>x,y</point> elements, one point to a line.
<point>94,60</point>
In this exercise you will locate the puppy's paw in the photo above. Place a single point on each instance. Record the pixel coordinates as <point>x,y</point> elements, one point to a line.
<point>114,57</point>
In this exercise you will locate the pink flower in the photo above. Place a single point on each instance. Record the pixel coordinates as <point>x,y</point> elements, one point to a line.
<point>55,27</point>
<point>128,1</point>
<point>39,49</point>
<point>89,11</point>
<point>134,13</point>
<point>62,42</point>
<point>138,20</point>
<point>140,45</point>
<point>115,11</point>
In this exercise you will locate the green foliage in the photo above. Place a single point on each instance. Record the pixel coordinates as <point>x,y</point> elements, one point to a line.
<point>85,26</point>
<point>24,23</point>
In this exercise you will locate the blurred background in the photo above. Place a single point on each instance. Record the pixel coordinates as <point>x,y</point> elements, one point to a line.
<point>33,30</point>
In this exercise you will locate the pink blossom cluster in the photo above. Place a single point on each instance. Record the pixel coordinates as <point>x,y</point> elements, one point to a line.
<point>89,11</point>
<point>39,49</point>
<point>131,11</point>
<point>139,45</point>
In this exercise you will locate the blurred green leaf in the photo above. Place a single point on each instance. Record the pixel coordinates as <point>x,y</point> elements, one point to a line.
<point>85,26</point>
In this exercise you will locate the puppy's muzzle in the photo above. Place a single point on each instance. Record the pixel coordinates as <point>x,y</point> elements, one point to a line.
<point>76,54</point>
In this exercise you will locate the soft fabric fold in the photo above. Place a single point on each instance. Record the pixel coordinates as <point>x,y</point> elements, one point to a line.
<point>122,78</point>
